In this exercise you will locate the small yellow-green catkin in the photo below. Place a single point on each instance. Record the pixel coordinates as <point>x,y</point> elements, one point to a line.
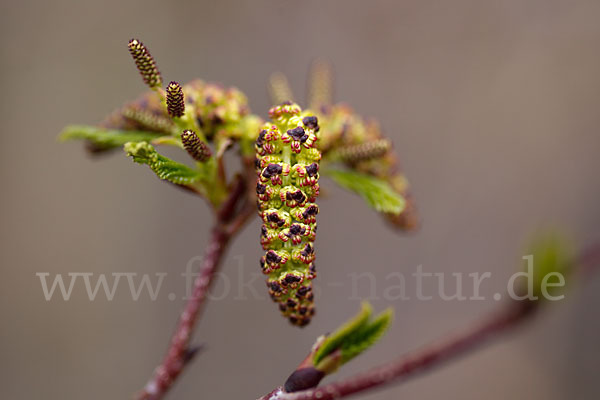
<point>279,88</point>
<point>364,151</point>
<point>320,85</point>
<point>148,120</point>
<point>288,184</point>
<point>145,63</point>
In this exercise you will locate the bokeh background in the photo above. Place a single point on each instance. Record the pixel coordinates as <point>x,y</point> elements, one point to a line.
<point>493,107</point>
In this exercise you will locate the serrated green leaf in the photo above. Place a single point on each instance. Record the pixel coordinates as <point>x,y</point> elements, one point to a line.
<point>377,193</point>
<point>351,339</point>
<point>105,139</point>
<point>366,336</point>
<point>163,167</point>
<point>335,340</point>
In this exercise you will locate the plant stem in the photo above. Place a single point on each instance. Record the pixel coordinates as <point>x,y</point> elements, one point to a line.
<point>435,354</point>
<point>179,354</point>
<point>416,362</point>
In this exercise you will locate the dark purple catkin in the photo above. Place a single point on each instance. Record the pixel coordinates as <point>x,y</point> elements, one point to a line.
<point>195,147</point>
<point>175,102</point>
<point>145,63</point>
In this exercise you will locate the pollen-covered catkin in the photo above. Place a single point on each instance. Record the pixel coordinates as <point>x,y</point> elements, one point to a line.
<point>288,184</point>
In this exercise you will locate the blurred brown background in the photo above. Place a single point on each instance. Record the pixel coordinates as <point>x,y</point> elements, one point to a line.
<point>493,107</point>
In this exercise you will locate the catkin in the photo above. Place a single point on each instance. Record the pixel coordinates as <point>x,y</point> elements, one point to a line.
<point>195,147</point>
<point>145,63</point>
<point>175,101</point>
<point>288,176</point>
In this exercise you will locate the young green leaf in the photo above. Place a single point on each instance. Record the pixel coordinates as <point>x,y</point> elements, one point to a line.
<point>552,260</point>
<point>163,167</point>
<point>351,339</point>
<point>376,192</point>
<point>105,139</point>
<point>337,338</point>
<point>367,335</point>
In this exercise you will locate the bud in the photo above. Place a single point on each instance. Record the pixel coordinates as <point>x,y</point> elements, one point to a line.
<point>408,219</point>
<point>549,267</point>
<point>303,379</point>
<point>145,63</point>
<point>195,147</point>
<point>175,102</point>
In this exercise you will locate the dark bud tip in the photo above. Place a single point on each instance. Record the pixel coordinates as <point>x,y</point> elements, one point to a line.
<point>312,169</point>
<point>191,352</point>
<point>303,379</point>
<point>296,133</point>
<point>311,122</point>
<point>260,188</point>
<point>175,101</point>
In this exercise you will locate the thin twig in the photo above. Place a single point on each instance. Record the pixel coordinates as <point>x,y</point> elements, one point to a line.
<point>419,361</point>
<point>247,210</point>
<point>179,350</point>
<point>435,354</point>
<point>237,193</point>
<point>179,354</point>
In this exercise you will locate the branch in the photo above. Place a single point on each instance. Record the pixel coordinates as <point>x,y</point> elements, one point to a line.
<point>416,362</point>
<point>238,192</point>
<point>435,354</point>
<point>179,354</point>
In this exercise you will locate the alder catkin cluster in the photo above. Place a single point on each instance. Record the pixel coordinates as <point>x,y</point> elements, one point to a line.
<point>288,184</point>
<point>219,111</point>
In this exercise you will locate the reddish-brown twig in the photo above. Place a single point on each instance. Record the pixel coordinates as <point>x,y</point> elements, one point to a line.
<point>416,362</point>
<point>514,313</point>
<point>230,218</point>
<point>179,352</point>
